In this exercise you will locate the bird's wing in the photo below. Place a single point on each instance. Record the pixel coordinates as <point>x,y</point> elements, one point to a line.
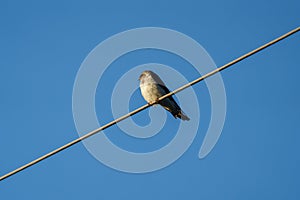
<point>158,80</point>
<point>166,90</point>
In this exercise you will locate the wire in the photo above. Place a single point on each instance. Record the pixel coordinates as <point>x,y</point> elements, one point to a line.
<point>149,104</point>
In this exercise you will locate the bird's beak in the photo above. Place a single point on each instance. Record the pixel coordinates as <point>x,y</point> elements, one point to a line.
<point>140,77</point>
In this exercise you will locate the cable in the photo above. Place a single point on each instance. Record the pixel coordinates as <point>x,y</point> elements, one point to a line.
<point>148,105</point>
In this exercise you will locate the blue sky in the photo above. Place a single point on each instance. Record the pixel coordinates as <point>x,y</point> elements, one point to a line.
<point>43,46</point>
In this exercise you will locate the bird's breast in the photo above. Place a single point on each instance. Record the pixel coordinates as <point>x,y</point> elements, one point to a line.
<point>151,91</point>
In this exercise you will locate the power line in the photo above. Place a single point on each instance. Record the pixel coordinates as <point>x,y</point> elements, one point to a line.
<point>148,105</point>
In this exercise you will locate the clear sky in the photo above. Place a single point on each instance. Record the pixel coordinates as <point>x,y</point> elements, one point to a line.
<point>43,46</point>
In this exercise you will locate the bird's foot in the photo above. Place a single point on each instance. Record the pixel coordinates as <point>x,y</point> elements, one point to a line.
<point>156,101</point>
<point>153,102</point>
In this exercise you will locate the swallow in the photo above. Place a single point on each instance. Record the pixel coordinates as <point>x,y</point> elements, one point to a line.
<point>152,88</point>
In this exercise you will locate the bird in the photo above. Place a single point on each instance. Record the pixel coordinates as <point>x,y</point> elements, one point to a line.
<point>152,88</point>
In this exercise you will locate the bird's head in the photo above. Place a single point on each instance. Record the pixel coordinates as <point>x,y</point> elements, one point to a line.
<point>145,74</point>
<point>150,77</point>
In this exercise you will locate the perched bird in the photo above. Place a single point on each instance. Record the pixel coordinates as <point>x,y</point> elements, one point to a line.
<point>152,87</point>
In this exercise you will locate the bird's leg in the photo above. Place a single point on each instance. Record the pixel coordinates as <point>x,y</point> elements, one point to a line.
<point>156,101</point>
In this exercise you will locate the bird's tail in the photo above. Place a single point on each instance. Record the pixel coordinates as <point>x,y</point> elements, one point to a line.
<point>182,116</point>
